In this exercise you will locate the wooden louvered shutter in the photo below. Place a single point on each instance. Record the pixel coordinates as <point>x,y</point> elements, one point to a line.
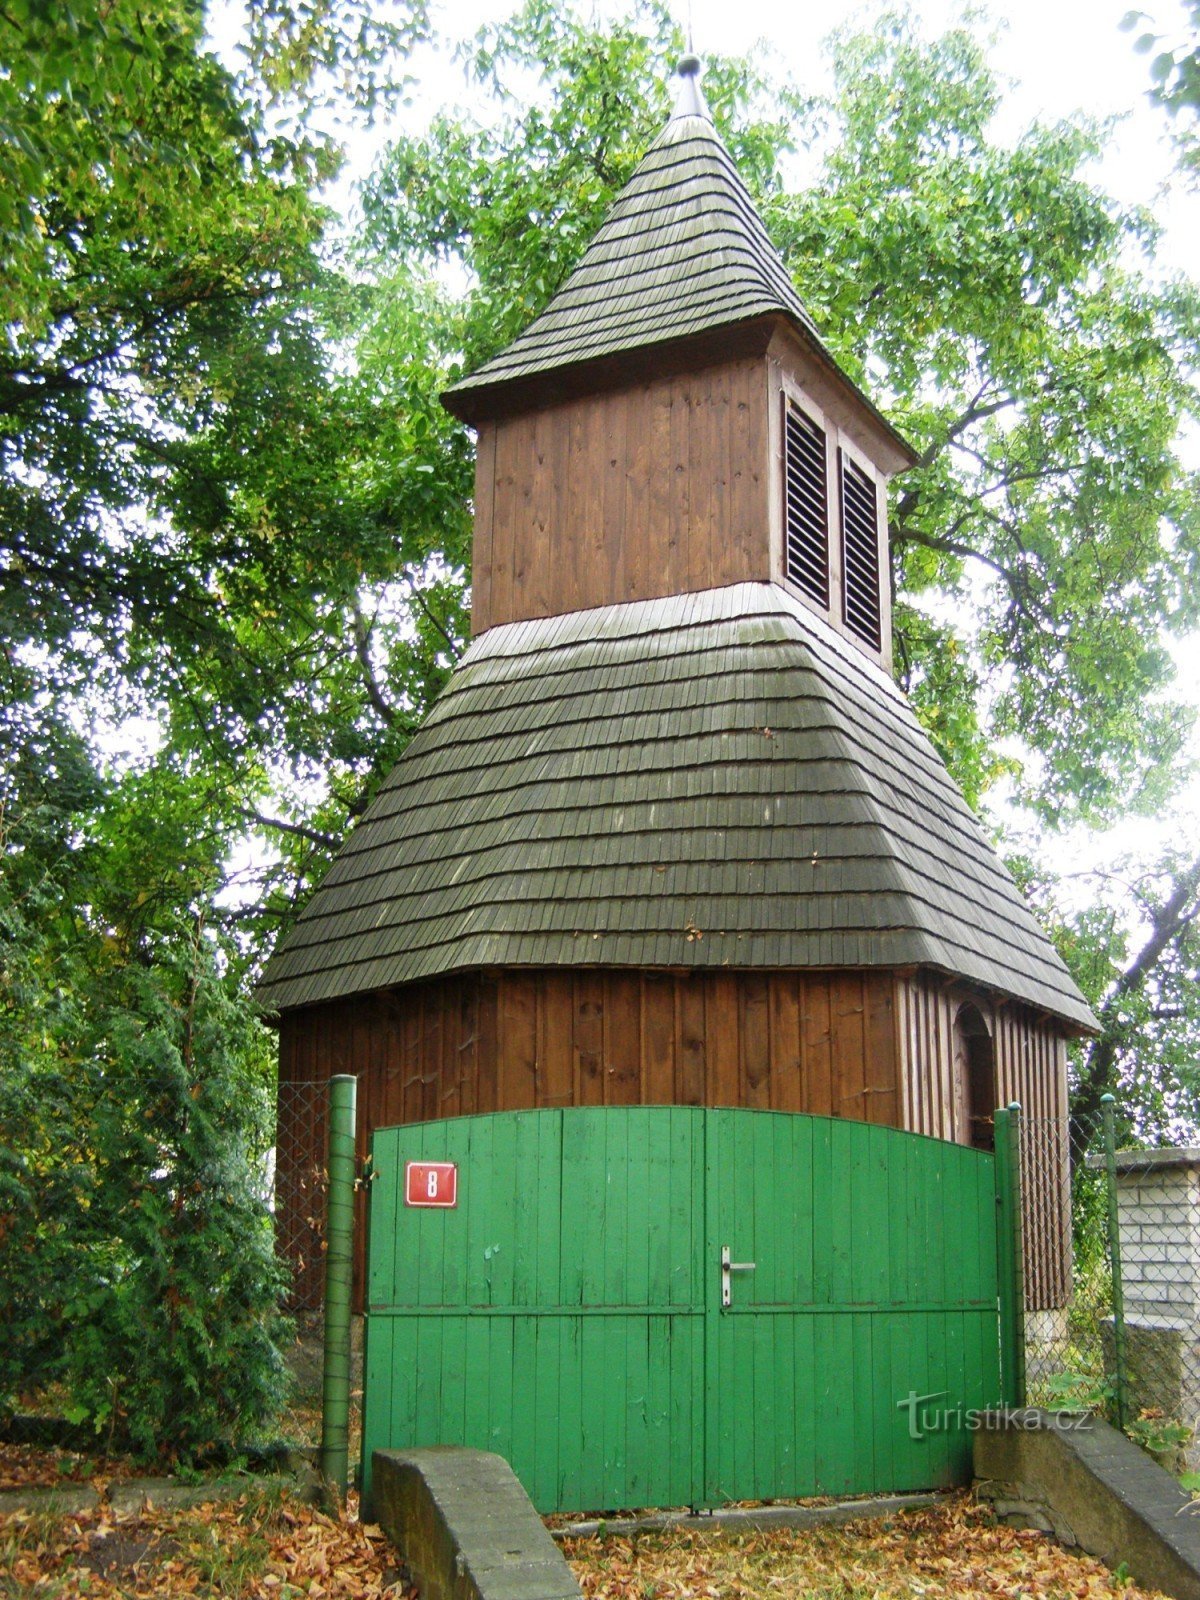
<point>806,505</point>
<point>860,552</point>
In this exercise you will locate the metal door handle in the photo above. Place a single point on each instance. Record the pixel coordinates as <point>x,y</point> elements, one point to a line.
<point>729,1267</point>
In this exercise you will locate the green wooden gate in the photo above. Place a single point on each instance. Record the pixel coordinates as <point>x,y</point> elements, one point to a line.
<point>569,1312</point>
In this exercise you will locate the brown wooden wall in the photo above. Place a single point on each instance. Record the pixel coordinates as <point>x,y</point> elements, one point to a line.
<point>873,1046</point>
<point>656,489</point>
<point>1030,1055</point>
<point>818,1042</point>
<point>790,1041</point>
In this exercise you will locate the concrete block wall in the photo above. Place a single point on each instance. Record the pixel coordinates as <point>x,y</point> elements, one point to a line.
<point>1158,1201</point>
<point>1158,1209</point>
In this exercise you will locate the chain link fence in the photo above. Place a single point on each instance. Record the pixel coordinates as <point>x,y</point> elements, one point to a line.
<point>299,1183</point>
<point>1066,1311</point>
<point>299,1201</point>
<point>1118,1329</point>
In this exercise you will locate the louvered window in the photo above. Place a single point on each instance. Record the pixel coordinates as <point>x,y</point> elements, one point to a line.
<point>860,552</point>
<point>806,509</point>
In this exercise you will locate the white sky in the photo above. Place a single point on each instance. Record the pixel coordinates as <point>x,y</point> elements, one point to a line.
<point>1061,56</point>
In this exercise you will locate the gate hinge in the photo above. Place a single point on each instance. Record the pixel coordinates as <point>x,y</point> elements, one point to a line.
<point>366,1175</point>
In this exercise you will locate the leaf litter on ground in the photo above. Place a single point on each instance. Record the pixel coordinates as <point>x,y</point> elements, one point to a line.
<point>948,1551</point>
<point>268,1546</point>
<point>24,1466</point>
<point>261,1547</point>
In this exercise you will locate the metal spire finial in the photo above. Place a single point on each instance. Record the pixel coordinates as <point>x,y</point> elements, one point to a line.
<point>689,97</point>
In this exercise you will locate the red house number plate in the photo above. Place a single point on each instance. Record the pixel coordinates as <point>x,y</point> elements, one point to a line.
<point>431,1183</point>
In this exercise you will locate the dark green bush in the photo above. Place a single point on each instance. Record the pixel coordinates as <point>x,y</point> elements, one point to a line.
<point>138,1280</point>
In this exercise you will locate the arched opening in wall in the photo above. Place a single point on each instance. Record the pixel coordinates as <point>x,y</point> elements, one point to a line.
<point>975,1069</point>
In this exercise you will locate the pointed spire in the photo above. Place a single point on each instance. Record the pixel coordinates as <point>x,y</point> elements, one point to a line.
<point>682,251</point>
<point>689,96</point>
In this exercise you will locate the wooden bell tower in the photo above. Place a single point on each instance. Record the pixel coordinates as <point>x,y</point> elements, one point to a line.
<point>671,834</point>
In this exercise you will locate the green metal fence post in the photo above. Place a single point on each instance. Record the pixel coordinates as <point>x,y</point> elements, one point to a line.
<point>1109,1104</point>
<point>339,1262</point>
<point>1010,1254</point>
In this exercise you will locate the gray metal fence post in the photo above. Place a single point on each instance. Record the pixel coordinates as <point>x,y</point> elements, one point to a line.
<point>339,1265</point>
<point>1114,1252</point>
<point>1011,1261</point>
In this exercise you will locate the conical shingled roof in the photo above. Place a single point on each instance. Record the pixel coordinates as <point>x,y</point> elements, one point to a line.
<point>682,251</point>
<point>714,779</point>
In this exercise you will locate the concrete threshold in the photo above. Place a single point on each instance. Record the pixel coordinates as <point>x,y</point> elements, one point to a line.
<point>751,1519</point>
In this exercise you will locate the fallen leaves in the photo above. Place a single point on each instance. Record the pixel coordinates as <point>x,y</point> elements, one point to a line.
<point>263,1547</point>
<point>270,1547</point>
<point>24,1466</point>
<point>945,1553</point>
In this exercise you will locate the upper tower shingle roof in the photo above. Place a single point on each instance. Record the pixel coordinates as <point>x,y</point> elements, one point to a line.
<point>709,779</point>
<point>682,252</point>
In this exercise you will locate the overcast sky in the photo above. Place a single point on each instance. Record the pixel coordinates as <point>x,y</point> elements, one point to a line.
<point>1062,56</point>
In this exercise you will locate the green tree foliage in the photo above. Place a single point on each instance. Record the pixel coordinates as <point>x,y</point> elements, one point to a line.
<point>1143,980</point>
<point>137,1267</point>
<point>180,543</point>
<point>1174,74</point>
<point>138,1259</point>
<point>187,507</point>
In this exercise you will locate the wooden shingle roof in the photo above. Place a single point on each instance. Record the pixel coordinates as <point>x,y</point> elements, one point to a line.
<point>681,254</point>
<point>681,251</point>
<point>709,779</point>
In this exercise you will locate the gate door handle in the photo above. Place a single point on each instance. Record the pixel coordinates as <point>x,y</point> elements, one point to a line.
<point>729,1267</point>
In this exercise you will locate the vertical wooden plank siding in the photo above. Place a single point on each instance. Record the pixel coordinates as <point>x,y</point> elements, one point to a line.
<point>498,581</point>
<point>522,1039</point>
<point>482,555</point>
<point>1032,1067</point>
<point>1030,1056</point>
<point>862,1045</point>
<point>512,1040</point>
<point>507,1041</point>
<point>656,489</point>
<point>659,1044</point>
<point>615,503</point>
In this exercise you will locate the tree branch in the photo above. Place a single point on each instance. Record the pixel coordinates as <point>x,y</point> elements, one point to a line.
<point>387,712</point>
<point>301,830</point>
<point>978,410</point>
<point>1176,914</point>
<point>1017,582</point>
<point>430,615</point>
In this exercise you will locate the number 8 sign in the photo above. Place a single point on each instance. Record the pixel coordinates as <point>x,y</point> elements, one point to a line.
<point>431,1183</point>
